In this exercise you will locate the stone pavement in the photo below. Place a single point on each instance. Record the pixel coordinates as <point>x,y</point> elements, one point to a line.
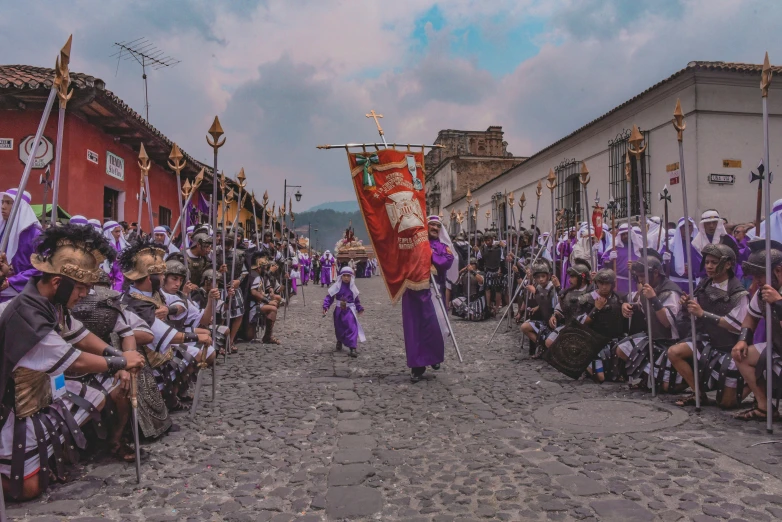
<point>300,432</point>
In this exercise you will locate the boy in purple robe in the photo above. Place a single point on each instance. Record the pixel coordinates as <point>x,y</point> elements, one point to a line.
<point>620,255</point>
<point>346,326</point>
<point>326,262</point>
<point>423,329</point>
<point>113,233</point>
<point>21,242</point>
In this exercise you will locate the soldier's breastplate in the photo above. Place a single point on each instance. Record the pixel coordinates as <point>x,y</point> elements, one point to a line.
<point>197,266</point>
<point>570,304</point>
<point>492,258</point>
<point>719,302</point>
<point>98,314</point>
<point>543,302</point>
<point>659,331</point>
<point>610,321</point>
<point>32,391</point>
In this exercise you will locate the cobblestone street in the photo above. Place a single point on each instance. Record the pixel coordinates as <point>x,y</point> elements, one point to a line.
<point>301,432</point>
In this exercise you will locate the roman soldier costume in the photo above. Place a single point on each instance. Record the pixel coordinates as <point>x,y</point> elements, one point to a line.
<point>198,264</point>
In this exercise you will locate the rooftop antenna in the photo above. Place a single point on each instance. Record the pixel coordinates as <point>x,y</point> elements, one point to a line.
<point>147,55</point>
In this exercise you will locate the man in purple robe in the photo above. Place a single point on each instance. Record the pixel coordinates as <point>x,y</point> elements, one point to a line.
<point>424,341</point>
<point>21,242</point>
<point>564,249</point>
<point>347,329</point>
<point>113,233</point>
<point>621,256</point>
<point>326,262</point>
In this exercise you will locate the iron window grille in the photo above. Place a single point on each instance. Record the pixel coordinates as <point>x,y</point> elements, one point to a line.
<point>569,190</point>
<point>617,149</point>
<point>164,217</point>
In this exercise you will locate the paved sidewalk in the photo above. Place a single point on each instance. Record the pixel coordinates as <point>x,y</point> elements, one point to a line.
<point>300,432</point>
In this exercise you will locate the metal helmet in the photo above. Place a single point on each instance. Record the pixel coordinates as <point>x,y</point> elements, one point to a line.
<point>755,265</point>
<point>653,258</point>
<point>541,267</point>
<point>581,269</point>
<point>175,265</point>
<point>605,276</point>
<point>723,253</point>
<point>202,236</point>
<point>207,276</point>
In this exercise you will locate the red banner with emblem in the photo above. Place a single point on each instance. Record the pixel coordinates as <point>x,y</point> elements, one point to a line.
<point>597,221</point>
<point>389,186</point>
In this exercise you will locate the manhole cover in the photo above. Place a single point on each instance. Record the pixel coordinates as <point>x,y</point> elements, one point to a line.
<point>609,416</point>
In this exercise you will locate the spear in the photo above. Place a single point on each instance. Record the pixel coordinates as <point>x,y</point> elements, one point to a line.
<point>176,164</point>
<point>134,406</point>
<point>28,168</point>
<point>636,147</point>
<point>511,200</point>
<point>62,82</point>
<point>665,197</point>
<point>216,132</point>
<point>551,183</point>
<point>469,250</point>
<point>679,125</point>
<point>255,222</point>
<point>44,180</point>
<point>765,82</point>
<point>240,204</point>
<point>628,184</point>
<point>584,182</point>
<point>191,189</point>
<point>612,208</point>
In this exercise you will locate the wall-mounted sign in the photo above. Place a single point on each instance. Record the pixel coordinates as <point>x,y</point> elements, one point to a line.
<point>731,164</point>
<point>44,154</point>
<point>92,157</point>
<point>722,179</point>
<point>6,144</point>
<point>115,166</point>
<point>673,173</point>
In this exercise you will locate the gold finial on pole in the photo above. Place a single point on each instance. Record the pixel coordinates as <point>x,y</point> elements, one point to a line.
<point>469,196</point>
<point>765,77</point>
<point>584,174</point>
<point>186,188</point>
<point>216,131</point>
<point>372,114</point>
<point>199,178</point>
<point>175,162</point>
<point>241,178</point>
<point>522,200</point>
<point>62,75</point>
<point>678,120</point>
<point>635,142</point>
<point>511,199</point>
<point>265,198</point>
<point>539,189</point>
<point>143,162</point>
<point>628,169</point>
<point>551,180</point>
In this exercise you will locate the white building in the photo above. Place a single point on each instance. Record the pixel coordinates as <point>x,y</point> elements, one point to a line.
<point>724,136</point>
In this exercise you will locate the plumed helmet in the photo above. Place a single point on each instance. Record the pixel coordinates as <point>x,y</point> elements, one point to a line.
<point>142,258</point>
<point>72,251</point>
<point>605,276</point>
<point>755,265</point>
<point>541,267</point>
<point>175,265</point>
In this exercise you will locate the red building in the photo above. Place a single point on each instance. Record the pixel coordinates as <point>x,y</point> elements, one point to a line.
<point>100,177</point>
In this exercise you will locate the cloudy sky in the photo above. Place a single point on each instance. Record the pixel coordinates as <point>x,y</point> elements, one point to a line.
<point>287,75</point>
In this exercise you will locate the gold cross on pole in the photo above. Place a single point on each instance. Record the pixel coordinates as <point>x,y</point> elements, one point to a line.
<point>372,114</point>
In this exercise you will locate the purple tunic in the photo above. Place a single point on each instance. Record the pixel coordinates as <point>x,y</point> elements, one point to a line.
<point>345,324</point>
<point>564,249</point>
<point>424,344</point>
<point>325,270</point>
<point>622,281</point>
<point>23,269</point>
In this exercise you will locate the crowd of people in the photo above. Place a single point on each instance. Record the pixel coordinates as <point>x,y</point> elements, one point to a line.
<point>598,293</point>
<point>93,312</point>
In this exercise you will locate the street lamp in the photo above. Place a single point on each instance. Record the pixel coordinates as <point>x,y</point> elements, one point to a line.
<point>297,195</point>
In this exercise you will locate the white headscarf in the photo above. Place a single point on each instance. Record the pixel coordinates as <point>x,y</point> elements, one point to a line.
<point>78,219</point>
<point>186,239</point>
<point>776,222</point>
<point>635,239</point>
<point>108,228</point>
<point>166,242</point>
<point>25,218</point>
<point>95,224</point>
<point>334,289</point>
<point>654,233</point>
<point>453,273</point>
<point>679,256</point>
<point>701,240</point>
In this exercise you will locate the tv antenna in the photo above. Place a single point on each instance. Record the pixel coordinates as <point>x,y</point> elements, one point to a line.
<point>146,54</point>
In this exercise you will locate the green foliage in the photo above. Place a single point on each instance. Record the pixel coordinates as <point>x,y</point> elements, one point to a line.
<point>331,227</point>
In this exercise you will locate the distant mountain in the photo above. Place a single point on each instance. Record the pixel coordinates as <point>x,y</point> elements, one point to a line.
<point>337,206</point>
<point>331,226</point>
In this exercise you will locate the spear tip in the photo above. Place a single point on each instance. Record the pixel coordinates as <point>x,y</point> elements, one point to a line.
<point>635,137</point>
<point>765,76</point>
<point>65,52</point>
<point>142,154</point>
<point>176,154</point>
<point>216,130</point>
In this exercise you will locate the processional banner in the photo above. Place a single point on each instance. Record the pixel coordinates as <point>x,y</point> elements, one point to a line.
<point>389,186</point>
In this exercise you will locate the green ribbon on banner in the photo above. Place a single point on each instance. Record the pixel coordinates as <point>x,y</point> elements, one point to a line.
<point>366,162</point>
